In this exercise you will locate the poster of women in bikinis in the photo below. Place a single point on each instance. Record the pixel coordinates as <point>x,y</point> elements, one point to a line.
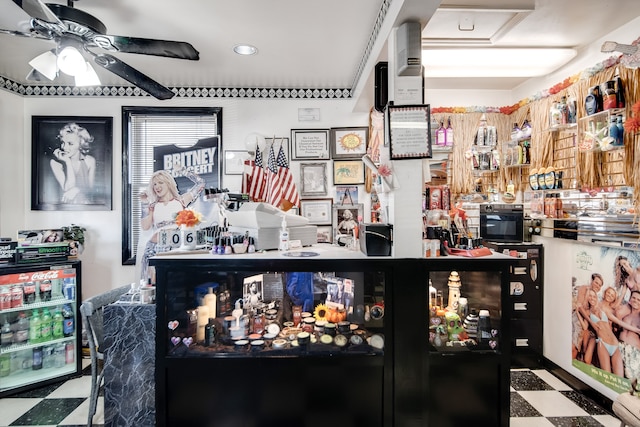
<point>71,163</point>
<point>605,314</point>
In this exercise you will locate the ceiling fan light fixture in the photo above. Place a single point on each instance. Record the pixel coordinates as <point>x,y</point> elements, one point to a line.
<point>71,62</point>
<point>45,64</point>
<point>88,78</point>
<point>245,49</point>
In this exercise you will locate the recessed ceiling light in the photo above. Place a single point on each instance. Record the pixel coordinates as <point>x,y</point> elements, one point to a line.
<point>245,49</point>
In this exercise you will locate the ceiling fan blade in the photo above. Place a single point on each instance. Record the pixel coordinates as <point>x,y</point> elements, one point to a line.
<point>38,10</point>
<point>168,48</point>
<point>130,74</point>
<point>15,33</point>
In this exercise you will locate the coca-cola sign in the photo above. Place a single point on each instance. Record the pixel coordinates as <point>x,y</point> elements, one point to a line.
<point>39,275</point>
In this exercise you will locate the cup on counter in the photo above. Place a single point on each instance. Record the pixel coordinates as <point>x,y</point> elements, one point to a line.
<point>148,295</point>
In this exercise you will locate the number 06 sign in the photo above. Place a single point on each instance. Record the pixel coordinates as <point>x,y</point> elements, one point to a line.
<point>174,238</point>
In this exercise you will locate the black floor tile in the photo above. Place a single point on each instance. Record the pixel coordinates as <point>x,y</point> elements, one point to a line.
<point>591,407</point>
<point>41,392</point>
<point>527,380</point>
<point>574,422</point>
<point>48,411</point>
<point>521,408</point>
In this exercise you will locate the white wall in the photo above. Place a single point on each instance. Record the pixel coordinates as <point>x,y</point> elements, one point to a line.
<point>586,58</point>
<point>102,269</point>
<point>464,97</point>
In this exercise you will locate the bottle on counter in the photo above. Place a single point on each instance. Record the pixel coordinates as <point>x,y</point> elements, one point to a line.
<point>484,326</point>
<point>58,324</point>
<point>21,334</point>
<point>210,300</point>
<point>69,353</point>
<point>5,365</point>
<point>448,136</point>
<point>36,363</point>
<point>210,332</point>
<point>6,334</point>
<point>45,290</point>
<point>620,125</point>
<point>35,334</point>
<point>29,291</point>
<point>515,131</point>
<point>68,321</point>
<point>284,235</point>
<point>46,325</point>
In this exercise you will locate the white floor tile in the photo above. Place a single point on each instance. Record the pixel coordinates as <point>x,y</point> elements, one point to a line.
<point>530,422</point>
<point>551,403</point>
<point>12,408</point>
<point>607,420</point>
<point>80,414</point>
<point>552,380</point>
<point>77,387</point>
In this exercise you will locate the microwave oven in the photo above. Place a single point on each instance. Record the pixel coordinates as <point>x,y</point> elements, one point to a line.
<point>502,222</point>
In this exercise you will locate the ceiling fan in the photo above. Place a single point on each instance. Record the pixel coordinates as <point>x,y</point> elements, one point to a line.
<point>76,32</point>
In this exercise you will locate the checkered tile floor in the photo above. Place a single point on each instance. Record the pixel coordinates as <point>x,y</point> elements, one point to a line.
<point>538,399</point>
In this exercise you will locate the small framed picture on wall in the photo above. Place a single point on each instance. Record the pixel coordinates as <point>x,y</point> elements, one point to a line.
<point>349,142</point>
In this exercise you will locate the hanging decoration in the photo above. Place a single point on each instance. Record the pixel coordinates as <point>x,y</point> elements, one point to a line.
<point>509,109</point>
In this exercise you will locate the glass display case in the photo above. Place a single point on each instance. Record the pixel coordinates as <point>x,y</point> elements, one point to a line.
<point>468,342</point>
<point>378,368</point>
<point>39,341</point>
<point>280,341</point>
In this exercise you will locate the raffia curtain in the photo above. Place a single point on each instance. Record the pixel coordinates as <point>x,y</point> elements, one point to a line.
<point>588,165</point>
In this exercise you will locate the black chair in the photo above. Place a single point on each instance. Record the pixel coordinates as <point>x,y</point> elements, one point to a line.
<point>91,311</point>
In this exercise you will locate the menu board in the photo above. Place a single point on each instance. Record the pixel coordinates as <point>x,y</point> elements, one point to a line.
<point>409,131</point>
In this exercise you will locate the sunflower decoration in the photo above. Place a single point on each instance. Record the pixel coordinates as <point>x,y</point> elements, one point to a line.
<point>321,312</point>
<point>188,218</point>
<point>351,142</point>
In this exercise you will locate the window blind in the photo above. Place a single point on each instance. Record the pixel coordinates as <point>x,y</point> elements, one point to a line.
<point>143,132</point>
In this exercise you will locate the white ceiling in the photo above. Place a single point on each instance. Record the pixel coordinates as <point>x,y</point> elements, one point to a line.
<point>320,44</point>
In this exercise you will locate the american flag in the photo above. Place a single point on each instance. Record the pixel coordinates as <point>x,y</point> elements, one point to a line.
<point>289,189</point>
<point>247,174</point>
<point>257,184</point>
<point>274,189</point>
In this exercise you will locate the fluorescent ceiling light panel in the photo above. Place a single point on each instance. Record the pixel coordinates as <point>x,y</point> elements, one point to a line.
<point>494,62</point>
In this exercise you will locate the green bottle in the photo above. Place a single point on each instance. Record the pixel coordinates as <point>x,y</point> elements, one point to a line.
<point>45,326</point>
<point>57,324</point>
<point>34,328</point>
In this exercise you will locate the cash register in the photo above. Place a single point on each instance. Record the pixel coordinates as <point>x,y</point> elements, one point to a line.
<point>263,222</point>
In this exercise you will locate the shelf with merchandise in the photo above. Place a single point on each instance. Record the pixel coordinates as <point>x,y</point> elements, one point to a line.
<point>596,132</point>
<point>37,305</point>
<point>564,127</point>
<point>28,345</point>
<point>580,204</point>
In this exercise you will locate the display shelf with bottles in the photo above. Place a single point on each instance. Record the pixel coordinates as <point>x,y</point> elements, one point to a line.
<point>602,131</point>
<point>39,341</point>
<point>515,152</point>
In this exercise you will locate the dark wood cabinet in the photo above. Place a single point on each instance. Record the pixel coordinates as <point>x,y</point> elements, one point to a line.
<point>407,382</point>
